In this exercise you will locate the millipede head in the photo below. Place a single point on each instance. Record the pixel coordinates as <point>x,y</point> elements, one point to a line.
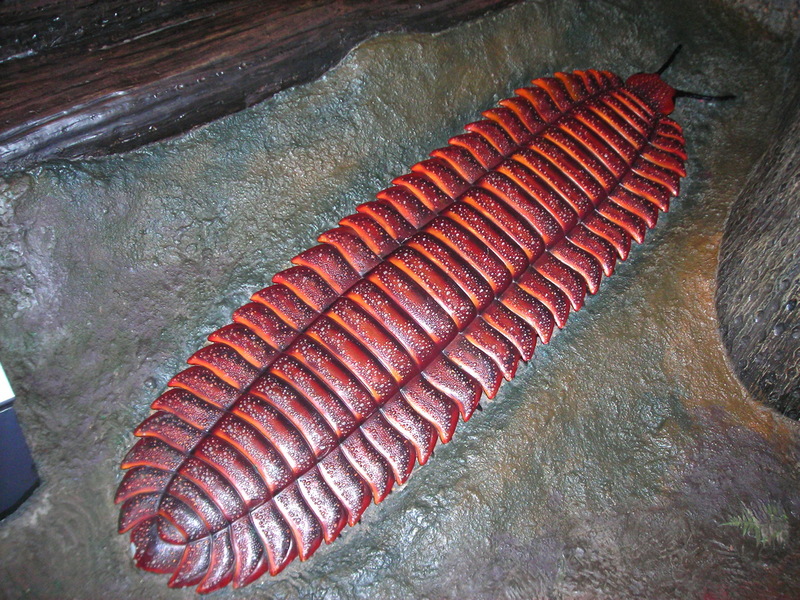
<point>654,90</point>
<point>659,94</point>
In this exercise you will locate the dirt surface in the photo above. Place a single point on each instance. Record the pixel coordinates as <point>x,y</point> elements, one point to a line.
<point>626,461</point>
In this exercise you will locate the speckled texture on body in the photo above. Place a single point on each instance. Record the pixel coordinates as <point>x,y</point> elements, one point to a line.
<point>616,465</point>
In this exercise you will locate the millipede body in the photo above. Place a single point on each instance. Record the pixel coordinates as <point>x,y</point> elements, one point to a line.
<point>332,383</point>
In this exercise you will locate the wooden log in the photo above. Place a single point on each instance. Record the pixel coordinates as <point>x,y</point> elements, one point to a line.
<point>89,78</point>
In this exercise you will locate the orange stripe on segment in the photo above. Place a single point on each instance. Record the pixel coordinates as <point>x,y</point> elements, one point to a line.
<point>583,157</point>
<point>582,135</point>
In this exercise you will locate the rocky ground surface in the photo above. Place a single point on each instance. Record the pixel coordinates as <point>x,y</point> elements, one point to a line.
<point>626,461</point>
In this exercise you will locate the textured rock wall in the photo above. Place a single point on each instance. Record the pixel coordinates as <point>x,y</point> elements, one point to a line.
<point>759,272</point>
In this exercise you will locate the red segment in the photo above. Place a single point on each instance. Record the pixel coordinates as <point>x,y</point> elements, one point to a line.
<point>388,217</point>
<point>215,486</point>
<point>451,262</point>
<point>407,204</point>
<point>595,245</point>
<point>670,145</point>
<point>371,334</point>
<point>269,326</point>
<point>484,152</point>
<point>226,364</point>
<point>454,383</point>
<point>245,343</point>
<point>296,408</point>
<point>309,287</point>
<point>141,480</point>
<point>618,123</point>
<point>564,277</point>
<point>525,112</point>
<point>412,426</point>
<point>335,376</point>
<point>540,191</point>
<point>394,448</point>
<point>252,444</point>
<point>188,407</point>
<point>627,221</point>
<point>379,240</point>
<point>415,301</point>
<point>569,165</point>
<point>347,484</point>
<point>585,136</point>
<point>633,203</point>
<point>305,383</point>
<point>354,357</point>
<point>512,327</point>
<point>555,178</point>
<point>531,310</point>
<point>476,363</point>
<point>205,385</point>
<point>664,160</point>
<point>548,294</point>
<point>434,406</point>
<point>251,560</point>
<point>584,157</point>
<point>276,536</point>
<point>557,92</point>
<point>494,134</point>
<point>194,563</point>
<point>590,82</point>
<point>305,528</point>
<point>611,232</point>
<point>425,187</point>
<point>508,120</point>
<point>235,468</point>
<point>462,161</point>
<point>326,261</point>
<point>473,250</point>
<point>492,236</point>
<point>494,345</point>
<point>330,513</point>
<point>448,183</point>
<point>220,571</point>
<point>170,430</point>
<point>352,247</point>
<point>369,464</point>
<point>152,452</point>
<point>274,427</point>
<point>196,499</point>
<point>607,132</point>
<point>648,189</point>
<point>436,283</point>
<point>395,320</point>
<point>541,101</point>
<point>136,510</point>
<point>580,261</point>
<point>506,220</point>
<point>286,305</point>
<point>629,115</point>
<point>519,200</point>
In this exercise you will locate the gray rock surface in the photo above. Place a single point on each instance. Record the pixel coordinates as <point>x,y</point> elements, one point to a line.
<point>759,271</point>
<point>626,461</point>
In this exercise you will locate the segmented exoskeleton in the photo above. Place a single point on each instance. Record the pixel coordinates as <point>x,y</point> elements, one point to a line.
<point>333,382</point>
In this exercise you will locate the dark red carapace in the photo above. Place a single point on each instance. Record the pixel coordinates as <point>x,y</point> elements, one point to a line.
<point>332,383</point>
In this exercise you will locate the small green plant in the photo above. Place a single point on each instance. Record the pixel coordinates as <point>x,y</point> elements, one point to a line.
<point>767,524</point>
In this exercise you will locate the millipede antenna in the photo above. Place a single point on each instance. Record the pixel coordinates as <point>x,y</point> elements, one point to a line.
<point>671,58</point>
<point>706,97</point>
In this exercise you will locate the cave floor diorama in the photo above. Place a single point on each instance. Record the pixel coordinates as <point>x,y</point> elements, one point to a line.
<point>625,461</point>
